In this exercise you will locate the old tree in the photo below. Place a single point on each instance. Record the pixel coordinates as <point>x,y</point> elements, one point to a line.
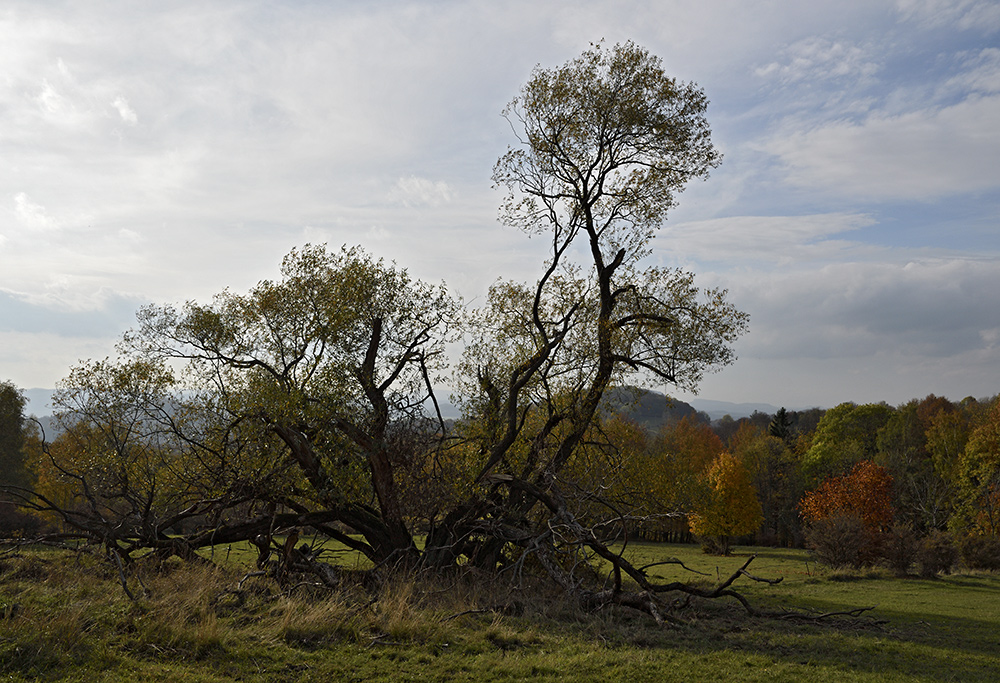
<point>307,404</point>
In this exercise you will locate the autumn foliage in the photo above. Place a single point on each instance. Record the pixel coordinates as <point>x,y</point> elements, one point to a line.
<point>733,508</point>
<point>848,517</point>
<point>864,493</point>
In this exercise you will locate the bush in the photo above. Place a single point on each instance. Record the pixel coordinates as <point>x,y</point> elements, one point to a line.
<point>937,554</point>
<point>711,546</point>
<point>980,552</point>
<point>844,541</point>
<point>900,549</point>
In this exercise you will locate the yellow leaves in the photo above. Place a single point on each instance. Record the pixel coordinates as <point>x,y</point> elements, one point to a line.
<point>733,508</point>
<point>979,474</point>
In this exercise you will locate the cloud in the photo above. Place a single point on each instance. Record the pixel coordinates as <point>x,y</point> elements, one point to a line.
<point>978,15</point>
<point>770,239</point>
<point>922,308</point>
<point>414,191</point>
<point>125,111</point>
<point>921,155</point>
<point>40,359</point>
<point>32,215</point>
<point>110,314</point>
<point>863,331</point>
<point>981,75</point>
<point>820,58</point>
<point>169,151</point>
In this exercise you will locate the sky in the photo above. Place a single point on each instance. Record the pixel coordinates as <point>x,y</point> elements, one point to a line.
<point>162,152</point>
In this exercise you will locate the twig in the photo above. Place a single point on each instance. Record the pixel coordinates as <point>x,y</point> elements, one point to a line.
<point>121,576</point>
<point>239,586</point>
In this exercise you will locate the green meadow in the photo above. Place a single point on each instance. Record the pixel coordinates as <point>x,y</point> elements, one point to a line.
<point>66,617</point>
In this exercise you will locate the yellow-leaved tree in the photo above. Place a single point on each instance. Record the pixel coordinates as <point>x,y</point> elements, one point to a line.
<point>732,508</point>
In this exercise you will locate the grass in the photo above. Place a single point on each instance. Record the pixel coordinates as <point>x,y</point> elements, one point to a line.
<point>66,618</point>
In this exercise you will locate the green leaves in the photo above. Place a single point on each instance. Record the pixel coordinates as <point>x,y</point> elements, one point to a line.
<point>607,141</point>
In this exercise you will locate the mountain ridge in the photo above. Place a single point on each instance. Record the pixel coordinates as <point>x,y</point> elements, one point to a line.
<point>39,404</point>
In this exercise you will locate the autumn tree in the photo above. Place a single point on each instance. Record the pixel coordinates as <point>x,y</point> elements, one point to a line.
<point>776,476</point>
<point>732,508</point>
<point>923,497</point>
<point>606,143</point>
<point>865,492</point>
<point>665,477</point>
<point>979,476</point>
<point>847,515</point>
<point>947,435</point>
<point>298,404</point>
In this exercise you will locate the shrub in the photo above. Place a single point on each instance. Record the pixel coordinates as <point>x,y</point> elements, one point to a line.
<point>844,541</point>
<point>900,549</point>
<point>980,552</point>
<point>711,546</point>
<point>937,554</point>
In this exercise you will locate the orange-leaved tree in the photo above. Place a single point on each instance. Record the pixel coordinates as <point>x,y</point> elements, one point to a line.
<point>865,492</point>
<point>847,515</point>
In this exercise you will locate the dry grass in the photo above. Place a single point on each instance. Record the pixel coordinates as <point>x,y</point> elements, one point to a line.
<point>67,617</point>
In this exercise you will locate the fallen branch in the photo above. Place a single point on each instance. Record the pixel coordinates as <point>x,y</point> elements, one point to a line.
<point>805,616</point>
<point>672,560</point>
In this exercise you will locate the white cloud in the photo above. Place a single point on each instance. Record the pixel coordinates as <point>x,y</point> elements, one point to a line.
<point>864,331</point>
<point>939,307</point>
<point>990,337</point>
<point>41,359</point>
<point>978,15</point>
<point>921,155</point>
<point>819,58</point>
<point>32,215</point>
<point>771,239</point>
<point>171,150</point>
<point>982,74</point>
<point>378,233</point>
<point>414,191</point>
<point>125,111</point>
<point>51,101</point>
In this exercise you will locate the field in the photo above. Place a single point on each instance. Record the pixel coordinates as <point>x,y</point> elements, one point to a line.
<point>67,618</point>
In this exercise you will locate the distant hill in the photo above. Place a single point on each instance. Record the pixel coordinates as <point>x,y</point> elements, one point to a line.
<point>650,409</point>
<point>39,402</point>
<point>718,409</point>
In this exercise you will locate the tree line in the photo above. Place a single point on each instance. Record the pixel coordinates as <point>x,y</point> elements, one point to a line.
<point>926,466</point>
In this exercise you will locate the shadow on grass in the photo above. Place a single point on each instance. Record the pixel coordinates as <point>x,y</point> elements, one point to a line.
<point>891,644</point>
